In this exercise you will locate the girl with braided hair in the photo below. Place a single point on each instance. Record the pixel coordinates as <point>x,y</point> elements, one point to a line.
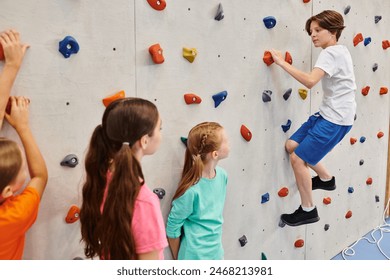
<point>194,226</point>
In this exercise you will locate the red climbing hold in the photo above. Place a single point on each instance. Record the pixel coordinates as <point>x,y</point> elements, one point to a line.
<point>383,90</point>
<point>299,243</point>
<point>385,44</point>
<point>267,58</point>
<point>352,140</point>
<point>365,90</point>
<point>283,192</point>
<point>306,1</point>
<point>107,100</point>
<point>380,134</point>
<point>191,98</point>
<point>348,215</point>
<point>158,5</point>
<point>73,214</point>
<point>357,39</point>
<point>288,58</point>
<point>246,133</point>
<point>369,181</point>
<point>157,53</point>
<point>327,200</point>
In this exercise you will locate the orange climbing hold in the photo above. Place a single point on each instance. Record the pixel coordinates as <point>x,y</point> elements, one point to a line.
<point>283,192</point>
<point>158,5</point>
<point>369,181</point>
<point>191,98</point>
<point>73,214</point>
<point>357,39</point>
<point>348,215</point>
<point>365,90</point>
<point>352,140</point>
<point>246,133</point>
<point>383,90</point>
<point>267,58</point>
<point>299,243</point>
<point>380,134</point>
<point>385,44</point>
<point>107,100</point>
<point>288,58</point>
<point>327,200</point>
<point>157,53</point>
<point>306,1</point>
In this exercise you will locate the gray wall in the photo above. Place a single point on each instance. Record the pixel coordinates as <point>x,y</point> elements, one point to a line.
<point>114,38</point>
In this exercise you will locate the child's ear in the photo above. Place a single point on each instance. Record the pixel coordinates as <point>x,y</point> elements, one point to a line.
<point>144,141</point>
<point>214,154</point>
<point>7,192</point>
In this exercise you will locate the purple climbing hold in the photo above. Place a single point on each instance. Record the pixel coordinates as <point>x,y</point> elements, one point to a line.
<point>243,240</point>
<point>266,95</point>
<point>70,160</point>
<point>287,94</point>
<point>347,9</point>
<point>219,16</point>
<point>219,97</point>
<point>160,192</point>
<point>375,67</point>
<point>377,19</point>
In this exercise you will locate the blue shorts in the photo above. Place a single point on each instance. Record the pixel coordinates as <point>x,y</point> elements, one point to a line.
<point>317,137</point>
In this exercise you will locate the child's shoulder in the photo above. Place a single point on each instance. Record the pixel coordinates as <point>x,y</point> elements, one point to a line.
<point>220,171</point>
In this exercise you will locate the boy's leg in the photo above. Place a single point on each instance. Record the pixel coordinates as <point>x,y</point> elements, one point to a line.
<point>303,180</point>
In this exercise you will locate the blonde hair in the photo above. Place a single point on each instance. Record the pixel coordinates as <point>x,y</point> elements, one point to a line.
<point>202,139</point>
<point>10,161</point>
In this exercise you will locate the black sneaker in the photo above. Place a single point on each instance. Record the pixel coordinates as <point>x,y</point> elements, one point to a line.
<point>317,183</point>
<point>300,217</point>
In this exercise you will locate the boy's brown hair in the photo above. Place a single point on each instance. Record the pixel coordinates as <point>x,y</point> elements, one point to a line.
<point>10,161</point>
<point>329,20</point>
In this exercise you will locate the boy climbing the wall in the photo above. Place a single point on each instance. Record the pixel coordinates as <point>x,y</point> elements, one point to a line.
<point>18,209</point>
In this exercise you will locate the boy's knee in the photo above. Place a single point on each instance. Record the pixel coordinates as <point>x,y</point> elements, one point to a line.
<point>290,146</point>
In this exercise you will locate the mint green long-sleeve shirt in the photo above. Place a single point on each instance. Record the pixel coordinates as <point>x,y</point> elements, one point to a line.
<point>197,216</point>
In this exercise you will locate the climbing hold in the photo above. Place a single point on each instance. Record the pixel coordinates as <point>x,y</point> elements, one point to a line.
<point>243,240</point>
<point>369,181</point>
<point>157,53</point>
<point>347,9</point>
<point>68,46</point>
<point>287,94</point>
<point>327,200</point>
<point>286,126</point>
<point>158,5</point>
<point>184,140</point>
<point>70,160</point>
<point>348,215</point>
<point>352,140</point>
<point>107,100</point>
<point>306,1</point>
<point>357,39</point>
<point>219,97</point>
<point>263,256</point>
<point>190,54</point>
<point>266,96</point>
<point>269,22</point>
<point>283,192</point>
<point>159,192</point>
<point>288,58</point>
<point>362,139</point>
<point>303,93</point>
<point>380,134</point>
<point>191,98</point>
<point>361,162</point>
<point>219,16</point>
<point>1,52</point>
<point>375,67</point>
<point>350,190</point>
<point>383,90</point>
<point>326,227</point>
<point>385,44</point>
<point>377,198</point>
<point>367,41</point>
<point>377,19</point>
<point>246,133</point>
<point>299,243</point>
<point>73,214</point>
<point>267,58</point>
<point>365,90</point>
<point>265,198</point>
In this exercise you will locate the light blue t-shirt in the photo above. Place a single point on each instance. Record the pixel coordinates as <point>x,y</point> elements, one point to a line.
<point>198,215</point>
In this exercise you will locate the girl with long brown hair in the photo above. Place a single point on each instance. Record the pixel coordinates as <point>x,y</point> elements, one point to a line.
<point>120,217</point>
<point>194,226</point>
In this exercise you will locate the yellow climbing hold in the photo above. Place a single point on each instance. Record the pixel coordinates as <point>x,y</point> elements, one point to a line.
<point>189,54</point>
<point>303,93</point>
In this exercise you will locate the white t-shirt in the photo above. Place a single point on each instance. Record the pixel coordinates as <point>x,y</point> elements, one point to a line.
<point>338,104</point>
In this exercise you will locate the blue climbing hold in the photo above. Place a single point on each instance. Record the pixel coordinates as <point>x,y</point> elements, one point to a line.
<point>350,190</point>
<point>286,126</point>
<point>367,41</point>
<point>362,139</point>
<point>68,46</point>
<point>287,94</point>
<point>266,95</point>
<point>265,198</point>
<point>184,140</point>
<point>269,22</point>
<point>219,97</point>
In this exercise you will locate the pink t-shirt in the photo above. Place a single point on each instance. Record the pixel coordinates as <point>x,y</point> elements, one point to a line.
<point>147,225</point>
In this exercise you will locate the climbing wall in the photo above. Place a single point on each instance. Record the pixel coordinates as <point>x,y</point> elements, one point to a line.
<point>114,40</point>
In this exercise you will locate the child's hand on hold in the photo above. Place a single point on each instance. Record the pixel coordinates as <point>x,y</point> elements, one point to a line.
<point>277,56</point>
<point>13,50</point>
<point>19,113</point>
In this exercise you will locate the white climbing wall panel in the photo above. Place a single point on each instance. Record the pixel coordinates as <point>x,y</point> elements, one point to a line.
<point>114,38</point>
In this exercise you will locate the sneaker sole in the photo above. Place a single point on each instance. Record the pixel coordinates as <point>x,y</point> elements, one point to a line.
<point>309,221</point>
<point>325,189</point>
